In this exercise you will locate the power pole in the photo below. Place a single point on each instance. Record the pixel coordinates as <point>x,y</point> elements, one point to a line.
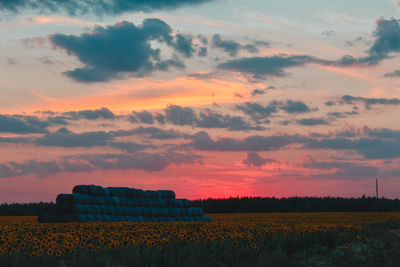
<point>377,196</point>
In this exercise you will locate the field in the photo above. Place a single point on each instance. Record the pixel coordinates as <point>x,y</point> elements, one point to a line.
<point>246,239</point>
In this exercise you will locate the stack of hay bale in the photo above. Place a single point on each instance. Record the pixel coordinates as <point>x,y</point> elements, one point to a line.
<point>89,203</point>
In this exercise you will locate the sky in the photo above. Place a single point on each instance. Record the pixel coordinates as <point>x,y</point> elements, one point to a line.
<point>209,98</point>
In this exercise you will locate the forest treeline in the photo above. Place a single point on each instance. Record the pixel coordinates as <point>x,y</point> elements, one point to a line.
<point>26,209</point>
<point>246,204</point>
<point>296,204</point>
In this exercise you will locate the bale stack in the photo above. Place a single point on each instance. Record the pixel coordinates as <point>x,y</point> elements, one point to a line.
<point>90,203</point>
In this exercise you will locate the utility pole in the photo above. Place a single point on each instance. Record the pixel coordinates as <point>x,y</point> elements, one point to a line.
<point>377,196</point>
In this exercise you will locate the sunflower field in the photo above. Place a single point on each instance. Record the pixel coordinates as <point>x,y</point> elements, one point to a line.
<point>245,239</point>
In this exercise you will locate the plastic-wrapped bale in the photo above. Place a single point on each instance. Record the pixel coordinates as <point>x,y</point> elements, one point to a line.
<point>166,193</point>
<point>123,201</point>
<point>132,202</point>
<point>95,190</point>
<point>81,189</point>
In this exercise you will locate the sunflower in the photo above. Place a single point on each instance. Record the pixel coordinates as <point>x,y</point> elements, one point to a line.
<point>347,245</point>
<point>50,251</point>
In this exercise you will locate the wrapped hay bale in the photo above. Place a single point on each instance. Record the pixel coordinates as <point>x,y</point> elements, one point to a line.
<point>123,201</point>
<point>95,190</point>
<point>81,189</point>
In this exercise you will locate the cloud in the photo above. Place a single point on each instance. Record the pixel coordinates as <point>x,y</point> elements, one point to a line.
<point>129,147</point>
<point>152,132</point>
<point>256,92</point>
<point>208,119</point>
<point>211,119</point>
<point>369,148</point>
<point>103,113</point>
<point>232,47</point>
<point>342,170</point>
<point>295,107</point>
<point>90,162</point>
<point>180,115</point>
<point>357,41</point>
<point>98,7</point>
<point>11,61</point>
<point>16,140</point>
<point>368,102</point>
<point>312,121</point>
<point>257,111</point>
<point>184,44</point>
<point>66,138</point>
<point>142,116</point>
<point>266,67</point>
<point>344,114</point>
<point>22,124</point>
<point>393,74</point>
<point>387,39</point>
<point>202,141</point>
<point>118,50</point>
<point>253,159</point>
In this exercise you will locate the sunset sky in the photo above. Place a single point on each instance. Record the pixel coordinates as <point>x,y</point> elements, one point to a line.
<point>209,98</point>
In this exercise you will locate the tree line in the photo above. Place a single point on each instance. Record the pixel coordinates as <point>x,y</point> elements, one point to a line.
<point>296,204</point>
<point>245,204</point>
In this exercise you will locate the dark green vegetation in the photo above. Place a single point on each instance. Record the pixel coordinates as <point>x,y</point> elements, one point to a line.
<point>296,204</point>
<point>246,204</point>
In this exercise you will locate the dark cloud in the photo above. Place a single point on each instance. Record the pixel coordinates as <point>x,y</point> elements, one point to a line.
<point>118,50</point>
<point>211,119</point>
<point>16,140</point>
<point>139,161</point>
<point>66,138</point>
<point>180,116</point>
<point>89,162</point>
<point>103,113</point>
<point>232,48</point>
<point>295,107</point>
<point>257,111</point>
<point>344,114</point>
<point>142,117</point>
<point>342,170</point>
<point>369,148</point>
<point>358,40</point>
<point>264,67</point>
<point>253,159</point>
<point>312,121</point>
<point>368,102</point>
<point>229,46</point>
<point>129,147</point>
<point>22,124</point>
<point>393,74</point>
<point>202,141</point>
<point>330,103</point>
<point>152,132</point>
<point>184,44</point>
<point>387,39</point>
<point>98,7</point>
<point>257,92</point>
<point>202,52</point>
